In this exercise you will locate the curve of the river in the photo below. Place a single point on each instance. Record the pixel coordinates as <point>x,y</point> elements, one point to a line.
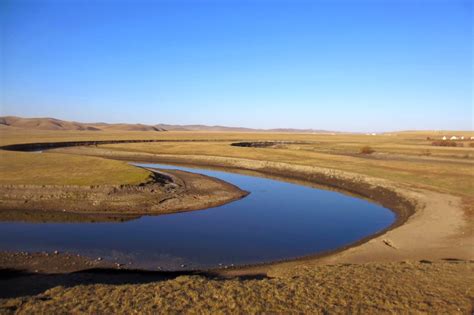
<point>277,221</point>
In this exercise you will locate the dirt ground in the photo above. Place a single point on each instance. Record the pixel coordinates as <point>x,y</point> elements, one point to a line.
<point>167,192</point>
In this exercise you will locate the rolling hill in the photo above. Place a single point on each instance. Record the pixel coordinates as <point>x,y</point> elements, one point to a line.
<point>44,124</point>
<point>47,123</point>
<point>57,124</point>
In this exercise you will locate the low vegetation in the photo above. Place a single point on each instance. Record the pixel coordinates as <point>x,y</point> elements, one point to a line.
<point>61,169</point>
<point>399,160</point>
<point>426,152</point>
<point>396,288</point>
<point>366,150</point>
<point>446,143</point>
<point>398,157</point>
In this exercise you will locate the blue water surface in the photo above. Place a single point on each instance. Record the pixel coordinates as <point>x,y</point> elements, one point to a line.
<point>277,221</point>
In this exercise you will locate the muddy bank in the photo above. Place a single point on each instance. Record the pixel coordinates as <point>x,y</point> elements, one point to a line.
<point>13,264</point>
<point>35,216</point>
<point>25,273</point>
<point>52,145</point>
<point>265,144</point>
<point>165,192</point>
<point>39,146</point>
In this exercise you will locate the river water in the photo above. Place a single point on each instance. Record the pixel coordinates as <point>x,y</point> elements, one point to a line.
<point>276,221</point>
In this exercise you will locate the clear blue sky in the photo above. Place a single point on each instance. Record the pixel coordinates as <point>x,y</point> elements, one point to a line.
<point>339,65</point>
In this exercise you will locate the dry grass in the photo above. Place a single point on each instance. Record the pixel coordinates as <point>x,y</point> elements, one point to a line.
<point>442,174</point>
<point>440,288</point>
<point>399,157</point>
<point>366,150</point>
<point>446,143</point>
<point>62,169</point>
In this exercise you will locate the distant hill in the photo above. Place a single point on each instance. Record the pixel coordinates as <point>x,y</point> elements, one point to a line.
<point>127,127</point>
<point>299,130</point>
<point>237,129</point>
<point>205,128</point>
<point>57,124</point>
<point>44,124</point>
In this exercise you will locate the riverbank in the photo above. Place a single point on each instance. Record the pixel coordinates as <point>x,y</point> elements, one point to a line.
<point>164,192</point>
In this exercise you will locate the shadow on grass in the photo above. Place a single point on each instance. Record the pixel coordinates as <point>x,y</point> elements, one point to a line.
<point>16,283</point>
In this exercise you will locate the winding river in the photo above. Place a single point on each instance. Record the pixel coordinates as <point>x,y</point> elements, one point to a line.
<point>277,221</point>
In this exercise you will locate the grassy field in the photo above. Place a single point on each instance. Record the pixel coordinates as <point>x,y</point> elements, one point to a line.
<point>62,169</point>
<point>406,157</point>
<point>399,159</point>
<point>440,288</point>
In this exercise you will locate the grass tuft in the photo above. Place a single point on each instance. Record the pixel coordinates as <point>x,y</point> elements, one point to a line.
<point>367,150</point>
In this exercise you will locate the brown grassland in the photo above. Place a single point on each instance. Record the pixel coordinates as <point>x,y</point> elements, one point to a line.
<point>56,169</point>
<point>422,266</point>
